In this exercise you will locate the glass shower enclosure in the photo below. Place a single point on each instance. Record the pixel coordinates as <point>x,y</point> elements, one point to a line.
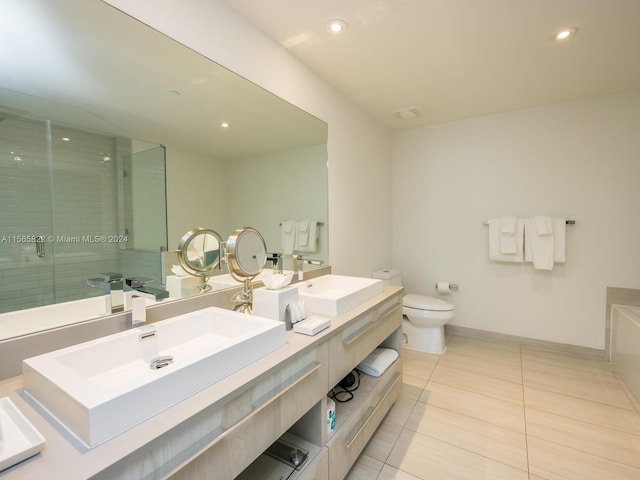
<point>75,203</point>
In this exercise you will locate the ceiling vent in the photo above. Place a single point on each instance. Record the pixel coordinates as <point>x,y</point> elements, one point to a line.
<point>408,113</point>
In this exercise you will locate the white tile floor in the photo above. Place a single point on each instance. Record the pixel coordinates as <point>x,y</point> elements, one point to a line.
<point>499,410</point>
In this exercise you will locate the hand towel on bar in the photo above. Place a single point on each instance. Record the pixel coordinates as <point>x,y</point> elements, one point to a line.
<point>306,236</point>
<point>377,362</point>
<point>287,236</point>
<point>508,235</point>
<point>302,233</point>
<point>559,240</point>
<point>539,242</point>
<point>494,242</point>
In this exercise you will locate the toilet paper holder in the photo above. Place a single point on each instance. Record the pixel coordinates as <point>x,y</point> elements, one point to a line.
<point>441,287</point>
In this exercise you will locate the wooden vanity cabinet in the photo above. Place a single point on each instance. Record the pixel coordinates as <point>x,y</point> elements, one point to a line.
<point>357,419</point>
<point>250,421</point>
<point>361,336</point>
<point>290,399</point>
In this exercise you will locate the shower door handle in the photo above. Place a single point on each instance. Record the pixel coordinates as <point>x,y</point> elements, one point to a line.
<point>40,248</point>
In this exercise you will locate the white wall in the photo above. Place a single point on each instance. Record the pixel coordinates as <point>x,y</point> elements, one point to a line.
<point>578,159</point>
<point>269,189</point>
<point>196,194</point>
<point>358,147</point>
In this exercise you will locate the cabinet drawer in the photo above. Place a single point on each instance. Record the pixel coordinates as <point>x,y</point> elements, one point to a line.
<point>349,441</point>
<point>318,469</point>
<point>245,425</point>
<point>363,334</point>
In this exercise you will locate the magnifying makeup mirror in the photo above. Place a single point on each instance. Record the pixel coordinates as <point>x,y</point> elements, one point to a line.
<point>246,253</point>
<point>200,252</point>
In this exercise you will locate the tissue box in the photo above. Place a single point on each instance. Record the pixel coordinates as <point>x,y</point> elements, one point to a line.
<point>179,287</point>
<point>272,303</point>
<point>331,416</point>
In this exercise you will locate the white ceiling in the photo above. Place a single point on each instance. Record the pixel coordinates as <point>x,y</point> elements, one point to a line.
<point>65,63</point>
<point>457,59</point>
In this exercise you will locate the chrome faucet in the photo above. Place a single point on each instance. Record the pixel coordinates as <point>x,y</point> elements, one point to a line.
<point>113,287</point>
<point>299,261</point>
<point>142,290</point>
<point>274,258</point>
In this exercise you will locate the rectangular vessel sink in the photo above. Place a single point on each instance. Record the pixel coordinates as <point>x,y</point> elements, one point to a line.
<point>101,388</point>
<point>337,294</point>
<point>22,322</point>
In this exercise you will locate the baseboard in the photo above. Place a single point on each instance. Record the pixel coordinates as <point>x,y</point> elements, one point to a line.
<point>528,343</point>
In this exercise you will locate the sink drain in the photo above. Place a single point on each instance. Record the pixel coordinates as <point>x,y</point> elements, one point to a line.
<point>160,362</point>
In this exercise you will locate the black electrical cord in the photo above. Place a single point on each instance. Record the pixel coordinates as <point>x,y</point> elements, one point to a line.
<point>343,392</point>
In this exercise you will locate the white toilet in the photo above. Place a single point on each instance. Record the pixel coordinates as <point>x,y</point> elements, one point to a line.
<point>424,317</point>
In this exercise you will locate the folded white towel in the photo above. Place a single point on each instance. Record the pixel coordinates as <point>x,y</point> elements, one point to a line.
<point>539,242</point>
<point>508,225</point>
<point>543,226</point>
<point>377,362</point>
<point>495,253</point>
<point>508,242</point>
<point>559,240</point>
<point>287,237</point>
<point>302,233</point>
<point>306,236</point>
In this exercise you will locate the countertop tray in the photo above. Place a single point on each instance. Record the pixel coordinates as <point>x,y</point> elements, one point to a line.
<point>19,439</point>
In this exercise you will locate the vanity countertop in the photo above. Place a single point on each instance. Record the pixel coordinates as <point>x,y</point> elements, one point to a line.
<point>64,457</point>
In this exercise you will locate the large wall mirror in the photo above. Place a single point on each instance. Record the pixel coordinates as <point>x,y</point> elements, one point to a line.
<point>119,140</point>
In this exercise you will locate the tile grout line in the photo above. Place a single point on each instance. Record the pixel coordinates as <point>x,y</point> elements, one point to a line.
<point>524,415</point>
<point>403,426</point>
<point>613,429</point>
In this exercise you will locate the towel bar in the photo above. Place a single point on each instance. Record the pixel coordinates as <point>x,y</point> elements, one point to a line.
<point>317,223</point>
<point>568,222</point>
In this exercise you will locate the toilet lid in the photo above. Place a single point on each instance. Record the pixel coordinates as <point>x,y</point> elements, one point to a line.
<point>423,302</point>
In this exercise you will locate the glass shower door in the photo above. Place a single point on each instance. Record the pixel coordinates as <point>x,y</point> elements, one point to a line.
<point>26,223</point>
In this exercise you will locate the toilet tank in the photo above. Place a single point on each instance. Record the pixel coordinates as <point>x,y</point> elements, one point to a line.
<point>388,276</point>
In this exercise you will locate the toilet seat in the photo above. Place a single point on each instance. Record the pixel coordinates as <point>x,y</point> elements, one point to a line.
<point>424,302</point>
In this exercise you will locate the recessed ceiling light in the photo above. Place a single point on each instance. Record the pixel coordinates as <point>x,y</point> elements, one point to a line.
<point>565,33</point>
<point>65,139</point>
<point>336,26</point>
<point>225,125</point>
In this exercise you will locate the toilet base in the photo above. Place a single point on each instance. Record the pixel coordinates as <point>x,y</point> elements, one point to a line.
<point>430,340</point>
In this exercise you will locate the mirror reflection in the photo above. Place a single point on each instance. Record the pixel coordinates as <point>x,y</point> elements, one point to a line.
<point>199,253</point>
<point>246,258</point>
<point>133,96</point>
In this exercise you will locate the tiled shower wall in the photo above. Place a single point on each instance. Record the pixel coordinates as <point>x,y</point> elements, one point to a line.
<point>75,209</point>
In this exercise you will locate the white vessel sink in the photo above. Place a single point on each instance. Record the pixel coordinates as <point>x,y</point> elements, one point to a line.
<point>101,388</point>
<point>22,322</point>
<point>337,294</point>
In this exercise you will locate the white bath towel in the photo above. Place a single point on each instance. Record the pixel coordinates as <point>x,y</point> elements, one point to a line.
<point>287,236</point>
<point>495,253</point>
<point>302,233</point>
<point>539,242</point>
<point>306,236</point>
<point>543,226</point>
<point>377,362</point>
<point>508,242</point>
<point>559,240</point>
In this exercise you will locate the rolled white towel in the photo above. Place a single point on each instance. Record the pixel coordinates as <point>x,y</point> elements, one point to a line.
<point>377,362</point>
